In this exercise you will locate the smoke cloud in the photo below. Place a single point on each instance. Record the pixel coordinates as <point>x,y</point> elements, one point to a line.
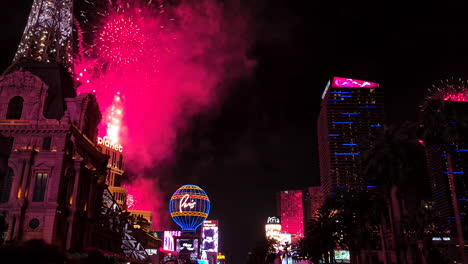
<point>181,60</point>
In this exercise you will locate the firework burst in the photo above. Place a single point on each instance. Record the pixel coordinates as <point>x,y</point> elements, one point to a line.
<point>121,41</point>
<point>454,90</point>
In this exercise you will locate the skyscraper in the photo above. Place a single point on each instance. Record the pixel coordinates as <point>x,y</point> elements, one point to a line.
<point>444,121</point>
<point>291,212</point>
<point>351,116</point>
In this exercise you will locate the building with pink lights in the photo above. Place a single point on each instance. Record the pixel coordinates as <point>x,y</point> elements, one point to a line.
<point>313,200</point>
<point>291,212</point>
<point>447,162</point>
<point>351,117</point>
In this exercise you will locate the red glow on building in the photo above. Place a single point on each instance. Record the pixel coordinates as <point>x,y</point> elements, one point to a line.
<point>346,82</point>
<point>313,200</point>
<point>456,97</point>
<point>290,210</point>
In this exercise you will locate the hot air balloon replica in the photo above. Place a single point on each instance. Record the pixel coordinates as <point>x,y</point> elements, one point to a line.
<point>189,207</point>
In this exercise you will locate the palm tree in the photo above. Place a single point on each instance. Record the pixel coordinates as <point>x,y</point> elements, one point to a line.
<point>393,165</point>
<point>263,253</point>
<point>359,214</point>
<point>348,219</point>
<point>445,124</point>
<point>321,236</point>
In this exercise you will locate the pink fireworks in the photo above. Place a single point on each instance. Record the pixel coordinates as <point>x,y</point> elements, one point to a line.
<point>457,97</point>
<point>170,66</point>
<point>121,40</point>
<point>113,119</point>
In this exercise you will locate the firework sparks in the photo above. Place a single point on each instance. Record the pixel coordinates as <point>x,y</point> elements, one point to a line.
<point>114,119</point>
<point>455,90</point>
<point>121,41</point>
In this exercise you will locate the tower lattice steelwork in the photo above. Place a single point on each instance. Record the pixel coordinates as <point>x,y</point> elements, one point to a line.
<point>48,33</point>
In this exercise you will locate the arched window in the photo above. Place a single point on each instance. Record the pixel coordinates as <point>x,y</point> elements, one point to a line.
<point>15,108</point>
<point>5,185</point>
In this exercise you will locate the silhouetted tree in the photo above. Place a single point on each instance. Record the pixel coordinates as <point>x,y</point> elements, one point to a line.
<point>263,253</point>
<point>395,167</point>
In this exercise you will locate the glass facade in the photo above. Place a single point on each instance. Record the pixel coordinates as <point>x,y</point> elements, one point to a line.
<point>351,118</point>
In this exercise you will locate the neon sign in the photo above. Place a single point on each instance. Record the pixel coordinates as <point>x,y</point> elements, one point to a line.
<point>189,207</point>
<point>104,141</point>
<point>183,203</point>
<point>169,244</point>
<point>210,235</point>
<point>273,220</point>
<point>346,82</point>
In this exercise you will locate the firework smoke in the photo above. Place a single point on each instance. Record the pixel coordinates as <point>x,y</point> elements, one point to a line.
<point>170,66</point>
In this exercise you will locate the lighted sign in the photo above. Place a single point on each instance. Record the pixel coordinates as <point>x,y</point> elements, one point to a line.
<point>104,141</point>
<point>189,207</point>
<point>346,82</point>
<point>151,251</point>
<point>184,203</point>
<point>441,239</point>
<point>168,242</point>
<point>342,256</point>
<point>273,220</point>
<point>187,246</point>
<point>221,256</point>
<point>273,231</point>
<point>210,236</point>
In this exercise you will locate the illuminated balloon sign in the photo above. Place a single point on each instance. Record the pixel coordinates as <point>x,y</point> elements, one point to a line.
<point>189,207</point>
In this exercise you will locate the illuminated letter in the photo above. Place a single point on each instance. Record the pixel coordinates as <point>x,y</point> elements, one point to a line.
<point>99,140</point>
<point>120,148</point>
<point>183,203</point>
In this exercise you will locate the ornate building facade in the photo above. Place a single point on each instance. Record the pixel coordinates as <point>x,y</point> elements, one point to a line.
<point>50,166</point>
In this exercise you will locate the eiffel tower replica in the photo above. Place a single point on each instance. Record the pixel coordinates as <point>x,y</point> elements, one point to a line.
<point>48,34</point>
<point>45,50</point>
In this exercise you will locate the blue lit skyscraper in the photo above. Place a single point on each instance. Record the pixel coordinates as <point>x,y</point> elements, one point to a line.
<point>351,115</point>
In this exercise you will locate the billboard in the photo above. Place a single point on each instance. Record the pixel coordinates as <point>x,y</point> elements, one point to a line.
<point>187,246</point>
<point>347,82</point>
<point>342,256</point>
<point>273,231</point>
<point>210,233</point>
<point>168,242</point>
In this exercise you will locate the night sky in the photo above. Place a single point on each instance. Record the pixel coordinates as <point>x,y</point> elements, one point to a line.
<point>262,137</point>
